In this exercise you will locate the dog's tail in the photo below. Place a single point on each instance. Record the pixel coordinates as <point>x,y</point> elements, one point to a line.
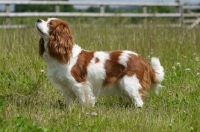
<point>155,63</point>
<point>159,72</point>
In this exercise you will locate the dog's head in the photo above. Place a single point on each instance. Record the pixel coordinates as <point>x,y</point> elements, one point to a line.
<point>57,35</point>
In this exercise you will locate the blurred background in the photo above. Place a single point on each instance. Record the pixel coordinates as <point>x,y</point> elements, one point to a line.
<point>178,12</point>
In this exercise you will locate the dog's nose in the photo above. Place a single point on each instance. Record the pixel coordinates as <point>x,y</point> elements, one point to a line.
<point>39,20</point>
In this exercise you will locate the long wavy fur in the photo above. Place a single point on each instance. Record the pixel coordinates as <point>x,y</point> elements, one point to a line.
<point>61,43</point>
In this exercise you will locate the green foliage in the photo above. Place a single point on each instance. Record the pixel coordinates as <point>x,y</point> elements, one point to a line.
<point>160,9</point>
<point>34,8</point>
<point>93,9</point>
<point>24,124</point>
<point>42,8</point>
<point>131,9</point>
<point>28,102</point>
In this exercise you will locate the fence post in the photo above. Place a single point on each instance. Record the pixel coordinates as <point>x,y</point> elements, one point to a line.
<point>182,12</point>
<point>8,21</point>
<point>57,8</point>
<point>179,10</point>
<point>102,9</point>
<point>144,12</point>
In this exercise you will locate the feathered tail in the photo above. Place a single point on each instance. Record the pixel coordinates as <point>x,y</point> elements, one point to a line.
<point>155,63</point>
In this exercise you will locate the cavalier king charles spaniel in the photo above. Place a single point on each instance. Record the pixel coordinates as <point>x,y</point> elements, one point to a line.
<point>84,75</point>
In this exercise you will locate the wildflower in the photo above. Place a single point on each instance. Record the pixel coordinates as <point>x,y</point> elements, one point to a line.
<point>94,114</point>
<point>149,57</point>
<point>42,71</point>
<point>173,67</point>
<point>184,56</point>
<point>196,59</point>
<point>151,52</point>
<point>198,74</point>
<point>178,64</point>
<point>188,69</point>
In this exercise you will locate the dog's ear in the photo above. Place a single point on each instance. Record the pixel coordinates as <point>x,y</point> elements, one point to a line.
<point>61,43</point>
<point>41,47</point>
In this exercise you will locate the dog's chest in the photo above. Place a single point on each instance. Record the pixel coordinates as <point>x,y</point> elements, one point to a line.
<point>58,73</point>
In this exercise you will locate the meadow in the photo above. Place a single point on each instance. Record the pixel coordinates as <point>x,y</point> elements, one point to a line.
<point>28,101</point>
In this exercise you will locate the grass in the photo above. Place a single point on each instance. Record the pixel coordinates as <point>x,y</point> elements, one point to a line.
<point>28,101</point>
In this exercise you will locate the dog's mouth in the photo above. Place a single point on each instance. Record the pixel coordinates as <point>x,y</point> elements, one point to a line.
<point>38,29</point>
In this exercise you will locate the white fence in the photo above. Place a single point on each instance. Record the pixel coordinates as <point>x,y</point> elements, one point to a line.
<point>178,13</point>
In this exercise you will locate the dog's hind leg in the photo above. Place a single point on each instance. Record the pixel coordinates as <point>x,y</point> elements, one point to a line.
<point>131,85</point>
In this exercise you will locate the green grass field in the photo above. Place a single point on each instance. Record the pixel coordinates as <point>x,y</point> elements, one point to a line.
<point>28,101</point>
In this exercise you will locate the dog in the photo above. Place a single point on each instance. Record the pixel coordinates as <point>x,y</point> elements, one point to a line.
<point>84,75</point>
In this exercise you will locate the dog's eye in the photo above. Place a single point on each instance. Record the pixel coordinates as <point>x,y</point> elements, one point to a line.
<point>50,23</point>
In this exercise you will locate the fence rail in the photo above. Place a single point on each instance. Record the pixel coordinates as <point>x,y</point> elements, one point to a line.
<point>178,13</point>
<point>89,3</point>
<point>66,14</point>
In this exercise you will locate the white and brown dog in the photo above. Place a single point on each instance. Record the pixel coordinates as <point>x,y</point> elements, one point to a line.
<point>85,75</point>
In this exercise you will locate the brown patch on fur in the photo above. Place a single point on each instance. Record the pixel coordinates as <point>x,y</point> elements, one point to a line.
<point>61,40</point>
<point>97,60</point>
<point>143,70</point>
<point>41,47</point>
<point>79,70</point>
<point>136,65</point>
<point>114,70</point>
